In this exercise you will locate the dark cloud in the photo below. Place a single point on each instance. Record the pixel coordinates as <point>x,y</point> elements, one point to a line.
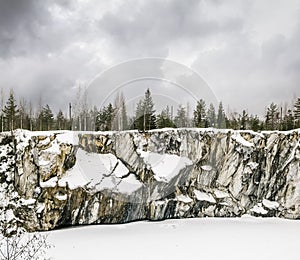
<point>19,24</point>
<point>146,28</point>
<point>245,50</point>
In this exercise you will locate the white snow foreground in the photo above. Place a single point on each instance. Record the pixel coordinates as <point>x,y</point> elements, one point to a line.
<point>206,238</point>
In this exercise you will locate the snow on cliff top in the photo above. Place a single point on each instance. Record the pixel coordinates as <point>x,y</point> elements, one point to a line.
<point>100,171</point>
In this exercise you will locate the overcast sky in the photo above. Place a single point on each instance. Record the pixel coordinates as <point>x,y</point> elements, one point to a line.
<point>247,51</point>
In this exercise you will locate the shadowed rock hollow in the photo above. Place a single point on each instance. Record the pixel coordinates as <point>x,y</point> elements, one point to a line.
<point>69,178</point>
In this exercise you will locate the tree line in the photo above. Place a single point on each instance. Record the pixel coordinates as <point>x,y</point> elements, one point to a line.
<point>114,116</point>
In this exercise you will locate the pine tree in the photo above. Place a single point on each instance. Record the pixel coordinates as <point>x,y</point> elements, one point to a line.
<point>164,119</point>
<point>145,118</point>
<point>255,123</point>
<point>297,113</point>
<point>105,118</point>
<point>109,117</point>
<point>60,120</point>
<point>149,112</point>
<point>11,112</point>
<point>233,121</point>
<point>211,116</point>
<point>139,116</point>
<point>244,120</point>
<point>272,117</point>
<point>200,114</point>
<point>288,121</point>
<point>221,119</point>
<point>181,118</point>
<point>47,118</point>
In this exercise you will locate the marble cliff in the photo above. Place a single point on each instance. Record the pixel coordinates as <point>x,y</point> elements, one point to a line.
<point>70,178</point>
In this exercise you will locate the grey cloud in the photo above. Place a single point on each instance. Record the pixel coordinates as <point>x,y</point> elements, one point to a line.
<point>48,46</point>
<point>150,26</point>
<point>259,74</point>
<point>18,22</point>
<point>27,27</point>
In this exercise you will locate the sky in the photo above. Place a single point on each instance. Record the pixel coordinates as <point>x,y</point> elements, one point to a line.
<point>247,52</point>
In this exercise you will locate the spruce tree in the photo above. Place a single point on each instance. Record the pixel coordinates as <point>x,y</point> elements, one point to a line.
<point>211,116</point>
<point>288,121</point>
<point>164,119</point>
<point>297,113</point>
<point>221,119</point>
<point>255,123</point>
<point>109,116</point>
<point>105,118</point>
<point>145,118</point>
<point>47,118</point>
<point>149,112</point>
<point>60,120</point>
<point>139,116</point>
<point>181,118</point>
<point>244,120</point>
<point>200,114</point>
<point>10,112</point>
<point>272,117</point>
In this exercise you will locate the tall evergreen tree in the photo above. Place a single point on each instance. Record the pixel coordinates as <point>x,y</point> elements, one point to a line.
<point>11,112</point>
<point>164,119</point>
<point>60,120</point>
<point>244,120</point>
<point>297,113</point>
<point>288,121</point>
<point>105,118</point>
<point>47,118</point>
<point>138,121</point>
<point>181,117</point>
<point>233,121</point>
<point>149,112</point>
<point>211,116</point>
<point>200,114</point>
<point>145,118</point>
<point>221,119</point>
<point>272,117</point>
<point>254,123</point>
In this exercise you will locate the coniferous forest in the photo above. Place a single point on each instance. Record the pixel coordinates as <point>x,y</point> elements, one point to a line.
<point>21,114</point>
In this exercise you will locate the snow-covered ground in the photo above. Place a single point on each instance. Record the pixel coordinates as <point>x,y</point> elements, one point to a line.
<point>206,238</point>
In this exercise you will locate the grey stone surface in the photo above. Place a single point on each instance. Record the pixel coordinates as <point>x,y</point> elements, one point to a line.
<point>213,173</point>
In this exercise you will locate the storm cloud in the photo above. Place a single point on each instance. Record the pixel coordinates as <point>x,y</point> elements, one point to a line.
<point>247,51</point>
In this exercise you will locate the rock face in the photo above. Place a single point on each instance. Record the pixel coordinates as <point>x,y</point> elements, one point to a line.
<point>69,178</point>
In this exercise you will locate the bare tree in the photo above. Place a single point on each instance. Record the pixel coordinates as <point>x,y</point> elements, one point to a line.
<point>22,111</point>
<point>23,246</point>
<point>120,115</point>
<point>15,242</point>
